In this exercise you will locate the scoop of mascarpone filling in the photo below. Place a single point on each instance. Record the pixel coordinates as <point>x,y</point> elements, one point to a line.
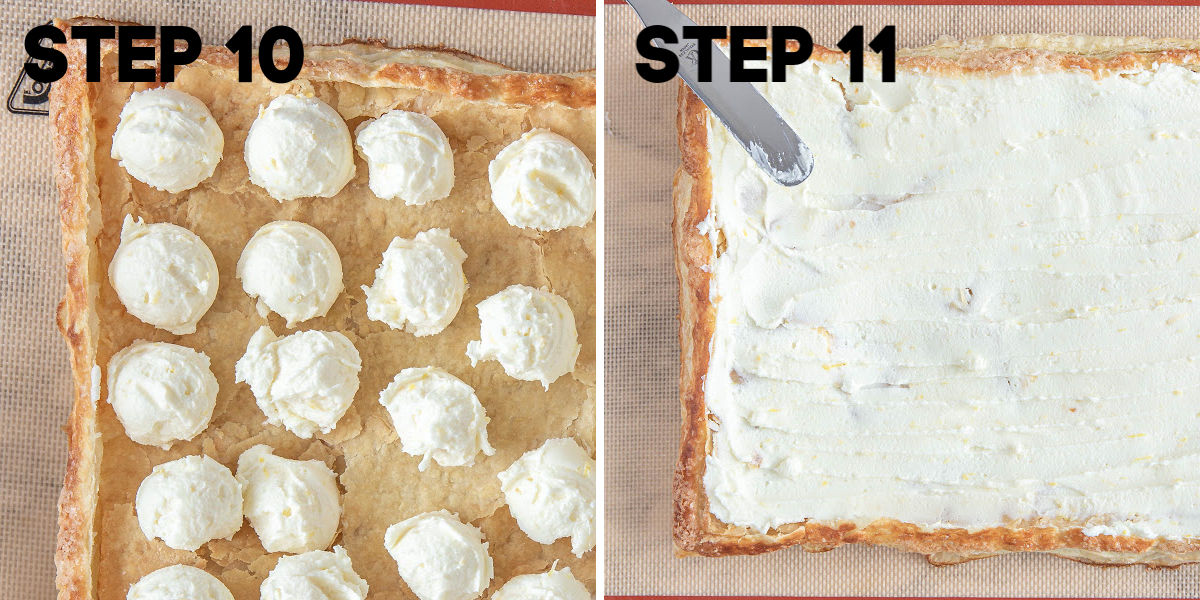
<point>303,382</point>
<point>167,139</point>
<point>164,274</point>
<point>440,557</point>
<point>419,285</point>
<point>189,501</point>
<point>299,147</point>
<point>161,393</point>
<point>293,505</point>
<point>551,492</point>
<point>315,575</point>
<point>543,181</point>
<point>555,584</point>
<point>178,582</point>
<point>437,416</point>
<point>529,331</point>
<point>408,157</point>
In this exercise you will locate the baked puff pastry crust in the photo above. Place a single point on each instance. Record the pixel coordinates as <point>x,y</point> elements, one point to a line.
<point>481,106</point>
<point>700,241</point>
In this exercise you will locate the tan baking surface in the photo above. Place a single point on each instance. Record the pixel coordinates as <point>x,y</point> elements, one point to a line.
<point>642,408</point>
<point>34,376</point>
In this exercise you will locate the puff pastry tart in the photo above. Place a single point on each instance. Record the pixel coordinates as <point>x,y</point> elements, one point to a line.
<point>235,315</point>
<point>972,331</point>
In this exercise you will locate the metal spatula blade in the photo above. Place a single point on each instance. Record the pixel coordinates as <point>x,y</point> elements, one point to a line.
<point>754,123</point>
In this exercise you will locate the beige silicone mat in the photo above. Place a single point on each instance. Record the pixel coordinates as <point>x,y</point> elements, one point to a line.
<point>34,376</point>
<point>641,361</point>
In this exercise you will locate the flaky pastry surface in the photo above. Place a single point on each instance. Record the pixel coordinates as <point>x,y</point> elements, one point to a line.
<point>481,107</point>
<point>696,530</point>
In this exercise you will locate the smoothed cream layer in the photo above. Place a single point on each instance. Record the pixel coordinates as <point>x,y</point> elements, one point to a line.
<point>982,306</point>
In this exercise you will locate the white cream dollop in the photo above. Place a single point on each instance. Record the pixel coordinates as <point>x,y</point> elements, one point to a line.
<point>161,392</point>
<point>293,505</point>
<point>293,270</point>
<point>299,147</point>
<point>164,275</point>
<point>529,331</point>
<point>552,585</point>
<point>189,501</point>
<point>303,382</point>
<point>543,181</point>
<point>408,157</point>
<point>167,139</point>
<point>437,416</point>
<point>419,285</point>
<point>178,582</point>
<point>439,556</point>
<point>551,492</point>
<point>316,575</point>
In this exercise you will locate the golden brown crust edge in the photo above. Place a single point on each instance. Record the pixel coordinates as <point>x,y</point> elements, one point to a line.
<point>367,63</point>
<point>372,63</point>
<point>696,531</point>
<point>70,112</point>
<point>692,194</point>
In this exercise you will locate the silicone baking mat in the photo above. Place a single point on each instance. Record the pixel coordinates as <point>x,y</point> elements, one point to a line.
<point>642,358</point>
<point>34,375</point>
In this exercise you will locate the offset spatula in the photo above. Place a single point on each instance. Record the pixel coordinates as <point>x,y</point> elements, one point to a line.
<point>755,124</point>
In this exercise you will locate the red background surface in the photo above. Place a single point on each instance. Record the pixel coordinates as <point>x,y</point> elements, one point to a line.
<point>570,7</point>
<point>588,7</point>
<point>949,2</point>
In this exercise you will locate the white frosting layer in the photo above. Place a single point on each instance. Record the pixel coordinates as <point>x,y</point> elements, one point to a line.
<point>439,556</point>
<point>543,181</point>
<point>408,157</point>
<point>530,332</point>
<point>316,575</point>
<point>419,285</point>
<point>293,505</point>
<point>551,492</point>
<point>303,382</point>
<point>981,307</point>
<point>293,270</point>
<point>299,147</point>
<point>167,139</point>
<point>551,585</point>
<point>164,275</point>
<point>178,582</point>
<point>437,416</point>
<point>161,392</point>
<point>189,501</point>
